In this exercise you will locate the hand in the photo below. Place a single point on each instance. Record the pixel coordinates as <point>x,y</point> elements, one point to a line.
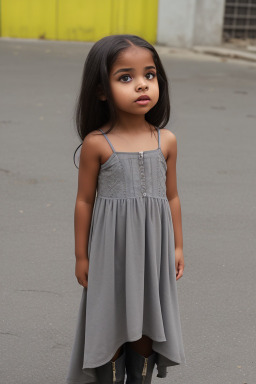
<point>179,263</point>
<point>82,270</point>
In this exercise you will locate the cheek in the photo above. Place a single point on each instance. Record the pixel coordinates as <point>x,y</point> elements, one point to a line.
<point>156,91</point>
<point>118,89</point>
<point>120,92</point>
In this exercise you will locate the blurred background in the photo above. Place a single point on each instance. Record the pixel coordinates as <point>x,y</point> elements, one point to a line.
<point>208,50</point>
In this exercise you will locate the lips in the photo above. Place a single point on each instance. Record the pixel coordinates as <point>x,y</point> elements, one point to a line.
<point>143,97</point>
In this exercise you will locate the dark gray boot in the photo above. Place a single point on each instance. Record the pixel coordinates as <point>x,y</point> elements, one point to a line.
<point>112,371</point>
<point>139,369</point>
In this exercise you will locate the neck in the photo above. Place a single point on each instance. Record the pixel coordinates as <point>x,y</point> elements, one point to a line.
<point>132,123</point>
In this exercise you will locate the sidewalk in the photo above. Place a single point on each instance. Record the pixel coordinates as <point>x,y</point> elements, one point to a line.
<point>240,50</point>
<point>233,51</point>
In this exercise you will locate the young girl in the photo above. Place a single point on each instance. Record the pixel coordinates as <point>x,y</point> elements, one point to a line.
<point>128,231</point>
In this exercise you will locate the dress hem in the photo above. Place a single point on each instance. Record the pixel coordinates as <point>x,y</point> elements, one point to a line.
<point>174,361</point>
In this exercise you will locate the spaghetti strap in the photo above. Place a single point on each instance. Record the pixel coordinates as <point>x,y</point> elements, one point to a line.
<point>107,140</point>
<point>158,131</point>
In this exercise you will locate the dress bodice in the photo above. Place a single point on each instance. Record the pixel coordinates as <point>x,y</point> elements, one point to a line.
<point>133,174</point>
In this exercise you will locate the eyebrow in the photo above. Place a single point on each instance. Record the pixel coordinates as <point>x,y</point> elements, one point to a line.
<point>132,69</point>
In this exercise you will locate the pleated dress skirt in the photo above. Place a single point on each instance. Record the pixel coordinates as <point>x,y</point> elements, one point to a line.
<point>132,278</point>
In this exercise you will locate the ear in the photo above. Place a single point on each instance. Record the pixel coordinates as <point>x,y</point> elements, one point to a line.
<point>102,98</point>
<point>100,93</point>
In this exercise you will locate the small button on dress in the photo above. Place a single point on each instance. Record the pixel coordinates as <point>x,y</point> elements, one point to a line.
<point>132,278</point>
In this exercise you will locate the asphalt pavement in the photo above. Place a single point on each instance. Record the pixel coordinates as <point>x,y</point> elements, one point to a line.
<point>213,116</point>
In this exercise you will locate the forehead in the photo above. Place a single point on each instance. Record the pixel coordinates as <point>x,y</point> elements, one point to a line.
<point>134,56</point>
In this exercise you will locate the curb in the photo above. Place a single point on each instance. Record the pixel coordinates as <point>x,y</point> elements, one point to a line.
<point>227,52</point>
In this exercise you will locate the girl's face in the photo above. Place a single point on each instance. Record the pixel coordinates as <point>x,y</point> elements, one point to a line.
<point>133,76</point>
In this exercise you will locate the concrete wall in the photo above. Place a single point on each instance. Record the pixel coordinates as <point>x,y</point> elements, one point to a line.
<point>176,22</point>
<point>209,18</point>
<point>184,23</point>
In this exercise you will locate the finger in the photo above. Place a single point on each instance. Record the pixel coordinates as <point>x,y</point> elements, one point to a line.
<point>179,274</point>
<point>83,283</point>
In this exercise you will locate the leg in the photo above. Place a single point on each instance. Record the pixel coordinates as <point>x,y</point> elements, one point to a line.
<point>143,346</point>
<point>118,353</point>
<point>114,370</point>
<point>140,361</point>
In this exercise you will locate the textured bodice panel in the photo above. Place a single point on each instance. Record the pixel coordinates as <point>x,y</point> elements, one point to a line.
<point>133,174</point>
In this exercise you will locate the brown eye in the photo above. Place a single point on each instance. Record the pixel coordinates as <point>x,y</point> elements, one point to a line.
<point>150,74</point>
<point>125,78</point>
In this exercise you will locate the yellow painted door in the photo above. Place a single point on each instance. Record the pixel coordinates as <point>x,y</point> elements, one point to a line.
<point>82,20</point>
<point>28,19</point>
<point>138,17</point>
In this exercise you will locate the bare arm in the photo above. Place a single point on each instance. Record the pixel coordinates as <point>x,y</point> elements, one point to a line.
<point>174,202</point>
<point>87,185</point>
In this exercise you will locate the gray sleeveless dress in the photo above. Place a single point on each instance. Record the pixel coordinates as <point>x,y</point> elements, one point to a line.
<point>132,279</point>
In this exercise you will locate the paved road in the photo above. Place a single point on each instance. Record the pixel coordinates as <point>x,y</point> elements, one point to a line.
<point>213,117</point>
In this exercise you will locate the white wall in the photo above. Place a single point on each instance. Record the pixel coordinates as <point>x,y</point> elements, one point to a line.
<point>175,22</point>
<point>209,18</point>
<point>184,23</point>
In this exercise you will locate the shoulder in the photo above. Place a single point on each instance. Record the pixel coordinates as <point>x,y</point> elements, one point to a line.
<point>168,136</point>
<point>94,145</point>
<point>169,142</point>
<point>92,139</point>
<point>90,145</point>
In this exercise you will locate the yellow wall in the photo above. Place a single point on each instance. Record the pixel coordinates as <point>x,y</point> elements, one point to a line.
<point>26,18</point>
<point>85,20</point>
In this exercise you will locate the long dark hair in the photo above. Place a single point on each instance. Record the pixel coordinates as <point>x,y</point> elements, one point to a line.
<point>91,113</point>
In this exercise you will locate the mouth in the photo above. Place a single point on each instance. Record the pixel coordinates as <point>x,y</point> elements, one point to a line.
<point>142,100</point>
<point>143,97</point>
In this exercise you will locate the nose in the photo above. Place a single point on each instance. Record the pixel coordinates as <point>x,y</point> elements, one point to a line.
<point>141,87</point>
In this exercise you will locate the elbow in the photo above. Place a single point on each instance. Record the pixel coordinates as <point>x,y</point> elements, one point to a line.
<point>172,197</point>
